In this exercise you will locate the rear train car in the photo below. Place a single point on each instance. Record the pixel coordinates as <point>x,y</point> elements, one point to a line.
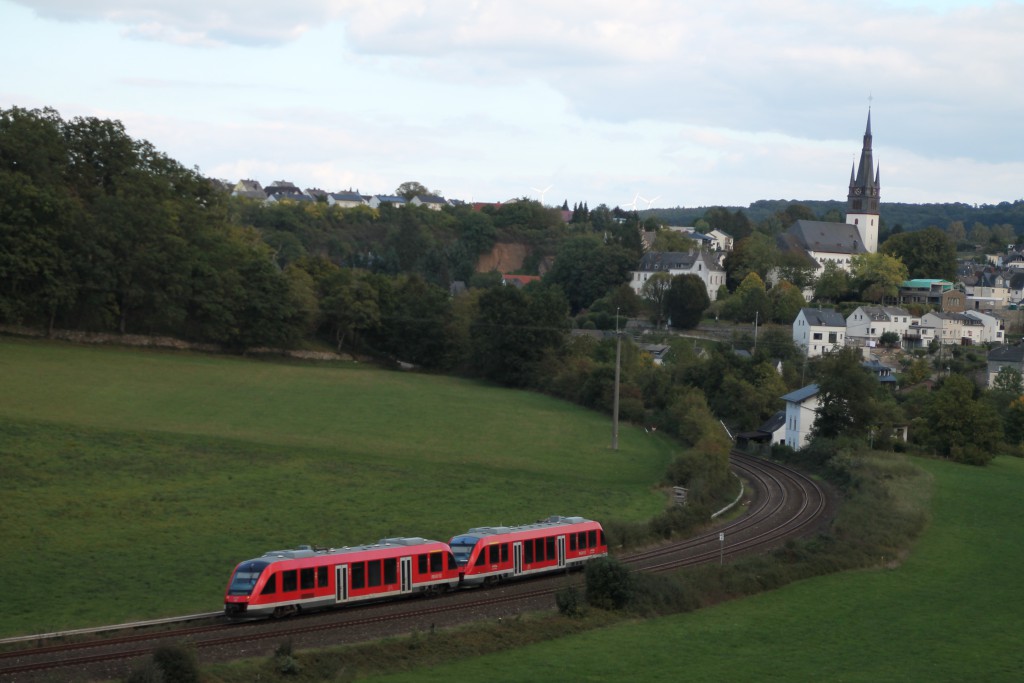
<point>284,582</point>
<point>491,554</point>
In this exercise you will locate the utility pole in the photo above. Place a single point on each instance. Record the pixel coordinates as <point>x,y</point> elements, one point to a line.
<point>615,396</point>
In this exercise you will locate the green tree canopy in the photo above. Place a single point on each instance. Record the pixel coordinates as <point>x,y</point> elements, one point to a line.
<point>927,253</point>
<point>877,276</point>
<point>686,300</point>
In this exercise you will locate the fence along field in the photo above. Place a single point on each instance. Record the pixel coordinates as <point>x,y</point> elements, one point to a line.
<point>133,480</point>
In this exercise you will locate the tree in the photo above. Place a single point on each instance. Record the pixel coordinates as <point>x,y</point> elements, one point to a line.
<point>833,284</point>
<point>927,253</point>
<point>756,253</point>
<point>959,426</point>
<point>785,301</point>
<point>411,188</point>
<point>686,301</point>
<point>749,303</point>
<point>877,276</point>
<point>655,290</point>
<point>349,304</point>
<point>585,269</point>
<point>846,395</point>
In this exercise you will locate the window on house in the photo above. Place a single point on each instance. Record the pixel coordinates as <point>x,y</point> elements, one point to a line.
<point>816,336</point>
<point>833,337</point>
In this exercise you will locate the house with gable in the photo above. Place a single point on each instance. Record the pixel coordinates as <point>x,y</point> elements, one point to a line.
<point>818,331</point>
<point>431,201</point>
<point>771,432</point>
<point>720,241</point>
<point>283,189</point>
<point>250,189</point>
<point>699,263</point>
<point>801,412</point>
<point>966,329</point>
<point>395,200</point>
<point>1005,357</point>
<point>346,200</point>
<point>866,325</point>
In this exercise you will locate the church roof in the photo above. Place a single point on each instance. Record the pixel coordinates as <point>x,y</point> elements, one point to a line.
<point>820,236</point>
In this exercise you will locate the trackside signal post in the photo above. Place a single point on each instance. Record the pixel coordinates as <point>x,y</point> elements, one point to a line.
<point>721,548</point>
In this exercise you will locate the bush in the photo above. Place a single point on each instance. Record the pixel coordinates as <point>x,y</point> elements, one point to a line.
<point>177,663</point>
<point>568,602</point>
<point>609,584</point>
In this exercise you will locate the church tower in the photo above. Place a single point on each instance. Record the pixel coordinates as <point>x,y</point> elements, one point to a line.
<point>862,201</point>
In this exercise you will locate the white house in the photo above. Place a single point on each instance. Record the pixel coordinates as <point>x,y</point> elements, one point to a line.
<point>720,241</point>
<point>376,200</point>
<point>699,263</point>
<point>866,325</point>
<point>346,200</point>
<point>801,411</point>
<point>431,201</point>
<point>971,327</point>
<point>1005,357</point>
<point>818,331</point>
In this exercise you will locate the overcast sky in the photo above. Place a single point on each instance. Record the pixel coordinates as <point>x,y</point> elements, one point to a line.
<point>685,103</point>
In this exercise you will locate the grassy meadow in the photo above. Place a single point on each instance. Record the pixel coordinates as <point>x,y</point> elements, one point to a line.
<point>951,611</point>
<point>132,481</point>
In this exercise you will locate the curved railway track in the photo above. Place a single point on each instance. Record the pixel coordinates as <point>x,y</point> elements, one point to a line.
<point>782,503</point>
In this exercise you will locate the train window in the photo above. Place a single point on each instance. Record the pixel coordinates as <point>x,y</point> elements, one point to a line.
<point>421,564</point>
<point>538,549</point>
<point>494,553</point>
<point>527,552</point>
<point>550,543</point>
<point>307,578</point>
<point>481,559</point>
<point>452,564</point>
<point>572,541</point>
<point>271,586</point>
<point>373,573</point>
<point>358,570</point>
<point>391,570</point>
<point>289,580</point>
<point>504,552</point>
<point>591,539</point>
<point>582,537</point>
<point>603,541</point>
<point>321,577</point>
<point>436,562</point>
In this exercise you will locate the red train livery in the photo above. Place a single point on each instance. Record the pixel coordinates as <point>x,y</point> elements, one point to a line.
<point>490,554</point>
<point>284,582</point>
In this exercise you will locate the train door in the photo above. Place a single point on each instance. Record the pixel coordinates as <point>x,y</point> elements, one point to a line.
<point>405,568</point>
<point>561,551</point>
<point>517,558</point>
<point>341,583</point>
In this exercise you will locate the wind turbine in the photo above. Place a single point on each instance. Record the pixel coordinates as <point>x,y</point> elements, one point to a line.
<point>632,205</point>
<point>541,193</point>
<point>650,201</point>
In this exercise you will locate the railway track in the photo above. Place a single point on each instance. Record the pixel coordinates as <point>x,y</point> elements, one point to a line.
<point>783,503</point>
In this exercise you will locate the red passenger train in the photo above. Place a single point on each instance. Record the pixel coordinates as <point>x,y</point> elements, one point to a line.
<point>284,582</point>
<point>490,554</point>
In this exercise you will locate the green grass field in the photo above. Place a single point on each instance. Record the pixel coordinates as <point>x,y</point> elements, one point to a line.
<point>950,612</point>
<point>132,481</point>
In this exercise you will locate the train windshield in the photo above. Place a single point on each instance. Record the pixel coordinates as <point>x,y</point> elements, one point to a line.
<point>245,577</point>
<point>462,548</point>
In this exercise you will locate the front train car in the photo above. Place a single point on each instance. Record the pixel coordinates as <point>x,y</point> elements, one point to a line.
<point>490,554</point>
<point>284,582</point>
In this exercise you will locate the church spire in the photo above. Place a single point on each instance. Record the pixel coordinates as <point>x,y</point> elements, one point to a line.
<point>865,191</point>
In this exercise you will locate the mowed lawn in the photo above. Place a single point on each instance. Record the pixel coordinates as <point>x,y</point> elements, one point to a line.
<point>951,612</point>
<point>132,481</point>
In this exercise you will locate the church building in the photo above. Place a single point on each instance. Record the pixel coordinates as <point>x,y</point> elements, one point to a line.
<point>822,242</point>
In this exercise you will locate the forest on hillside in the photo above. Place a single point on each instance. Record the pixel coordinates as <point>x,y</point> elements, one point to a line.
<point>909,217</point>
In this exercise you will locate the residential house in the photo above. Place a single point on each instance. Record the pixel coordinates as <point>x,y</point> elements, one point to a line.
<point>376,200</point>
<point>657,352</point>
<point>1015,288</point>
<point>282,188</point>
<point>801,412</point>
<point>882,372</point>
<point>939,294</point>
<point>518,281</point>
<point>720,241</point>
<point>987,289</point>
<point>967,329</point>
<point>866,325</point>
<point>431,201</point>
<point>819,331</point>
<point>699,263</point>
<point>250,189</point>
<point>1005,357</point>
<point>346,200</point>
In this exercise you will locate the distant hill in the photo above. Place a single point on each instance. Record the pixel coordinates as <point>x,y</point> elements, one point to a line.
<point>910,216</point>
